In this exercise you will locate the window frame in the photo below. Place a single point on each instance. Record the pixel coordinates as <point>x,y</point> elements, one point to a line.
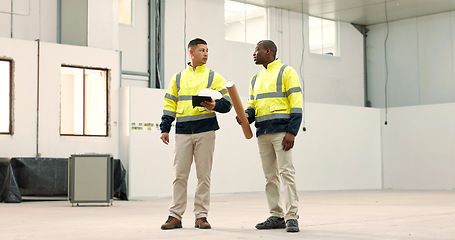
<point>84,103</point>
<point>10,124</point>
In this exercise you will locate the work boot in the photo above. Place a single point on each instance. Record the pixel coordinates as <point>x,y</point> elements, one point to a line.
<point>271,223</point>
<point>202,223</point>
<point>171,223</point>
<point>292,225</point>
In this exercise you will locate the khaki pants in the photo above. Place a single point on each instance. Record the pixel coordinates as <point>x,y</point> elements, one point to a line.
<point>201,146</point>
<point>277,163</point>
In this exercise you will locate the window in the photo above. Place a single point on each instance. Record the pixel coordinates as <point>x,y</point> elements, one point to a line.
<point>244,22</point>
<point>83,101</point>
<point>5,97</point>
<point>323,36</point>
<point>125,12</point>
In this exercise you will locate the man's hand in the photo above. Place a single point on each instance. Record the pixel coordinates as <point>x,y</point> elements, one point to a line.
<point>209,105</point>
<point>238,120</point>
<point>288,141</point>
<point>165,138</point>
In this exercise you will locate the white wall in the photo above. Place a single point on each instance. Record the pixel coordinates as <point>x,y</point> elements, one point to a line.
<point>233,60</point>
<point>342,147</point>
<point>420,56</point>
<point>341,150</point>
<point>332,80</point>
<point>22,143</point>
<point>103,24</point>
<point>37,19</point>
<point>5,19</point>
<point>52,56</point>
<point>133,42</point>
<point>328,79</point>
<point>31,20</point>
<point>419,147</point>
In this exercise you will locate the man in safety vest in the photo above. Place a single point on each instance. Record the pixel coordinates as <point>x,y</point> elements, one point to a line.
<point>275,105</point>
<point>195,132</point>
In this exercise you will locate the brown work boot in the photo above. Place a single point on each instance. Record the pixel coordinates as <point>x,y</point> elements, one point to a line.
<point>171,223</point>
<point>202,223</point>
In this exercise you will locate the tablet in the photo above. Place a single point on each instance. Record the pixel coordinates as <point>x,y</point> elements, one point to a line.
<point>198,99</point>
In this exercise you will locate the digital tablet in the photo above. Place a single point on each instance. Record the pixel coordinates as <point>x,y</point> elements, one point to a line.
<point>197,100</point>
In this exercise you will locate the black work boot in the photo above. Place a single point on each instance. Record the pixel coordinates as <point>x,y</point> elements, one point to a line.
<point>271,223</point>
<point>292,225</point>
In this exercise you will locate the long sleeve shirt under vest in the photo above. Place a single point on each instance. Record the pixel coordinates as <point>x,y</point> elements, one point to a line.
<point>276,100</point>
<point>178,101</point>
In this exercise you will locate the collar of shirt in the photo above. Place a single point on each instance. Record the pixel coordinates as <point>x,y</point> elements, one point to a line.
<point>273,65</point>
<point>200,68</point>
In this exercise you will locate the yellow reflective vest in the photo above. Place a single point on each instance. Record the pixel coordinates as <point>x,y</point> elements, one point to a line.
<point>178,101</point>
<point>276,100</point>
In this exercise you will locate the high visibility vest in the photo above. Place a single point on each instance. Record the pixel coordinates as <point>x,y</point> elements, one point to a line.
<point>275,102</point>
<point>185,84</point>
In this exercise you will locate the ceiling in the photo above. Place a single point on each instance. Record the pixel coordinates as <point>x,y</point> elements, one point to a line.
<point>363,12</point>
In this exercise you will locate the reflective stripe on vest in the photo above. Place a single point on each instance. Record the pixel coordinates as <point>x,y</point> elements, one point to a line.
<point>279,86</point>
<point>196,117</point>
<point>177,80</point>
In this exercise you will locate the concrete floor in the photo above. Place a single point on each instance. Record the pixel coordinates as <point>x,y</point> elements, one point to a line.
<point>332,215</point>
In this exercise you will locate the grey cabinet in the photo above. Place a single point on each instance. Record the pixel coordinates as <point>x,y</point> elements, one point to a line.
<point>91,178</point>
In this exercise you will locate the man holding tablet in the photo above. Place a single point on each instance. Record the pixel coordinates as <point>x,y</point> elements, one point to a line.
<point>195,132</point>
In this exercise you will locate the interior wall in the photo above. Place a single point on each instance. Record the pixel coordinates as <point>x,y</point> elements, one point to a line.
<point>26,19</point>
<point>31,20</point>
<point>327,79</point>
<point>419,147</point>
<point>5,19</point>
<point>420,61</point>
<point>102,24</point>
<point>22,142</point>
<point>332,80</point>
<point>233,60</point>
<point>133,42</point>
<point>340,150</point>
<point>52,56</point>
<point>48,21</point>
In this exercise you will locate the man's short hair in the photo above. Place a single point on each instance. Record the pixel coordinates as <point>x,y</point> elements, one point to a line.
<point>270,45</point>
<point>196,41</point>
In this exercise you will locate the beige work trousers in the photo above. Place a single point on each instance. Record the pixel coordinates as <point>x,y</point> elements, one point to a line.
<point>277,163</point>
<point>201,146</point>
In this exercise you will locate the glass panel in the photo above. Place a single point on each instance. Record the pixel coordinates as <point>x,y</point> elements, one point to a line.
<point>256,24</point>
<point>71,101</point>
<point>5,90</point>
<point>315,34</point>
<point>95,102</point>
<point>323,36</point>
<point>234,20</point>
<point>125,12</point>
<point>329,34</point>
<point>244,22</point>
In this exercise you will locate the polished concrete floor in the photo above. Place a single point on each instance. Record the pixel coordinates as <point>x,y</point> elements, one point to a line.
<point>328,215</point>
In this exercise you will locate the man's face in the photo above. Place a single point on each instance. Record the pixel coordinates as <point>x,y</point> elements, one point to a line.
<point>259,54</point>
<point>199,54</point>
